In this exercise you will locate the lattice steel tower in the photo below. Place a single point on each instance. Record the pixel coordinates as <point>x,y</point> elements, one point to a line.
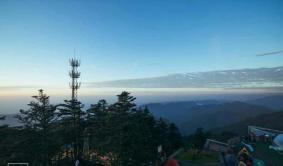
<point>74,74</point>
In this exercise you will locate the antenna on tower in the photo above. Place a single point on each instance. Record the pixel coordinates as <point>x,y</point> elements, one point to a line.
<point>74,74</point>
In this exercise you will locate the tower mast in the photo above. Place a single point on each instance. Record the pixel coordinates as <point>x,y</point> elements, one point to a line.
<point>74,74</point>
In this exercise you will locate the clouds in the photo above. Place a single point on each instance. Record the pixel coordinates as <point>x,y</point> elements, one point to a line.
<point>29,90</point>
<point>9,88</point>
<point>279,52</point>
<point>244,78</point>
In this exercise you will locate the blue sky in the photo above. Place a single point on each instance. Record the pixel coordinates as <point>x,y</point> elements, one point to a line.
<point>132,39</point>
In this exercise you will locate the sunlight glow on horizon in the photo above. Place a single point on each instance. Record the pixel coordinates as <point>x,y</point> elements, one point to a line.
<point>85,91</point>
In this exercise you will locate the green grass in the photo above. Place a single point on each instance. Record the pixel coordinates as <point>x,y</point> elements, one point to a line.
<point>270,156</point>
<point>202,158</point>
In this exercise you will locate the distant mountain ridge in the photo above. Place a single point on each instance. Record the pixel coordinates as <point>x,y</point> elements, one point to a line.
<point>222,115</point>
<point>243,78</point>
<point>272,102</point>
<point>271,120</point>
<point>209,114</point>
<point>178,111</point>
<point>194,114</point>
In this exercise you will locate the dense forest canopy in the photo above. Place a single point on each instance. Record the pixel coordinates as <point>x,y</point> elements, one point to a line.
<point>118,134</point>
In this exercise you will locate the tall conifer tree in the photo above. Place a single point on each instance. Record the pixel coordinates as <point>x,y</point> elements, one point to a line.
<point>39,119</point>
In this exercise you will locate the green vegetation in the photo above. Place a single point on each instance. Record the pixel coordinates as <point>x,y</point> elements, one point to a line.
<point>196,141</point>
<point>119,134</point>
<point>271,120</point>
<point>38,120</point>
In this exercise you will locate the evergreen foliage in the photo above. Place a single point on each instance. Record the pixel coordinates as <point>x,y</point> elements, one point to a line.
<point>120,134</point>
<point>37,136</point>
<point>72,122</point>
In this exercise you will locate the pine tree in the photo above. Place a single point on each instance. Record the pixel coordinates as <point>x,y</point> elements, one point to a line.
<point>128,135</point>
<point>198,139</point>
<point>141,144</point>
<point>174,137</point>
<point>122,111</point>
<point>38,119</point>
<point>161,135</point>
<point>72,120</point>
<point>125,103</point>
<point>99,127</point>
<point>133,131</point>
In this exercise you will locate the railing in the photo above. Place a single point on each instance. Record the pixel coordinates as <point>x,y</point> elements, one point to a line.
<point>11,164</point>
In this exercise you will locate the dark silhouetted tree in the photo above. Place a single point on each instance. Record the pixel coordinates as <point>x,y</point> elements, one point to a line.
<point>126,134</point>
<point>174,137</point>
<point>38,120</point>
<point>72,120</point>
<point>198,139</point>
<point>99,127</point>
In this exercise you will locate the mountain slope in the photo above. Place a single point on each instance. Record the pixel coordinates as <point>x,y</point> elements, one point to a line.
<point>190,115</point>
<point>180,111</point>
<point>222,115</point>
<point>270,120</point>
<point>273,102</point>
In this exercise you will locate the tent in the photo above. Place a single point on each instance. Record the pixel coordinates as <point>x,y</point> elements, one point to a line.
<point>278,142</point>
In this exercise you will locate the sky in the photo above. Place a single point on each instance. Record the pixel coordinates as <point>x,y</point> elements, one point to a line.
<point>122,39</point>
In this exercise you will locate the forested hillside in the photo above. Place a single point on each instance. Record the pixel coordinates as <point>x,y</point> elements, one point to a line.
<point>189,116</point>
<point>270,120</point>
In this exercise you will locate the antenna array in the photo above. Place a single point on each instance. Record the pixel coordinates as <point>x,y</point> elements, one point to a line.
<point>74,74</point>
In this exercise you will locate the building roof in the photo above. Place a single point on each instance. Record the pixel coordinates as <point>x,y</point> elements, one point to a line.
<point>260,132</point>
